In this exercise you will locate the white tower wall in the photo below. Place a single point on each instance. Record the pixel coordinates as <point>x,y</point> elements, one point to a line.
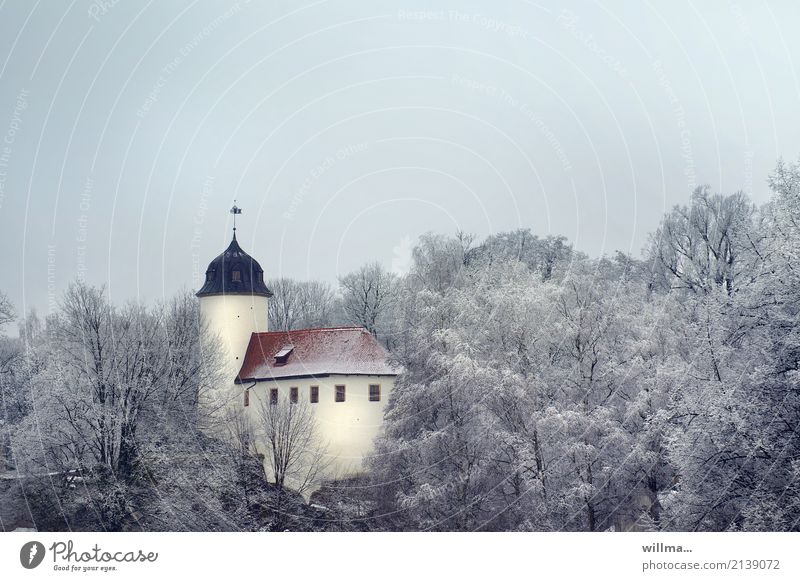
<point>234,317</point>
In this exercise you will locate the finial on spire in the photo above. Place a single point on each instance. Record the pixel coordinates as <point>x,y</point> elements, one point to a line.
<point>235,210</point>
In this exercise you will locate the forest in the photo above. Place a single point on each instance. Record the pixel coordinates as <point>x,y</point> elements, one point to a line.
<point>542,390</point>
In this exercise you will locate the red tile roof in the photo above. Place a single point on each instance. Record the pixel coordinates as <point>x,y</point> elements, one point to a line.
<point>316,352</point>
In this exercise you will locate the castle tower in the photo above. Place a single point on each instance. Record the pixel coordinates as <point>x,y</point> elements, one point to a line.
<point>233,301</point>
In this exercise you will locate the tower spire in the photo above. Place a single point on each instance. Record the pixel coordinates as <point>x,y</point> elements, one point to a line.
<point>235,210</point>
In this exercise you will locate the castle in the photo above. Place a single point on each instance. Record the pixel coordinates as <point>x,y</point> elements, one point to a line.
<point>341,373</point>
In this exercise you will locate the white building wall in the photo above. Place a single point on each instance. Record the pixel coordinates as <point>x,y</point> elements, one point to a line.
<point>234,318</point>
<point>348,428</point>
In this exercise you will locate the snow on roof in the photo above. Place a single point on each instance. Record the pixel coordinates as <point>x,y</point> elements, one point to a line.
<point>316,352</point>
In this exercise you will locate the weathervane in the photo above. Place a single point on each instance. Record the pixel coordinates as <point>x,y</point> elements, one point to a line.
<point>235,210</point>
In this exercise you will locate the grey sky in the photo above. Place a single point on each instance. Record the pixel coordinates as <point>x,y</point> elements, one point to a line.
<point>346,129</point>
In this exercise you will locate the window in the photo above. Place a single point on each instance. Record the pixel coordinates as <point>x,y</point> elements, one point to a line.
<point>236,276</point>
<point>246,397</point>
<point>339,393</point>
<point>313,394</point>
<point>374,392</point>
<point>273,396</point>
<point>210,275</point>
<point>293,394</point>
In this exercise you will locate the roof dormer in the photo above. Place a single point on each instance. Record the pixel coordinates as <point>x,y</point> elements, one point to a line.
<point>282,356</point>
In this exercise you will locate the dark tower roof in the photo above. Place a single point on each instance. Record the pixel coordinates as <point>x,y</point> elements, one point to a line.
<point>234,272</point>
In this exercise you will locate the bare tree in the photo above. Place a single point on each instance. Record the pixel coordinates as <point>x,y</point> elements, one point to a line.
<point>316,304</point>
<point>282,307</point>
<point>300,304</point>
<point>368,295</point>
<point>295,455</point>
<point>241,456</point>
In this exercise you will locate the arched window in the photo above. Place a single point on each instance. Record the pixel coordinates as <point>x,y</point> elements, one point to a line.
<point>236,276</point>
<point>210,275</point>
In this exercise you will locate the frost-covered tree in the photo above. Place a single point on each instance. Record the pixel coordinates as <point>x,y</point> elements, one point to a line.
<point>7,311</point>
<point>732,416</point>
<point>12,401</point>
<point>438,260</point>
<point>705,245</point>
<point>541,389</point>
<point>524,385</point>
<point>113,378</point>
<point>547,257</point>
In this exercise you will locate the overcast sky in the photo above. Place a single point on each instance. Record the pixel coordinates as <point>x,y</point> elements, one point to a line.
<point>346,129</point>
